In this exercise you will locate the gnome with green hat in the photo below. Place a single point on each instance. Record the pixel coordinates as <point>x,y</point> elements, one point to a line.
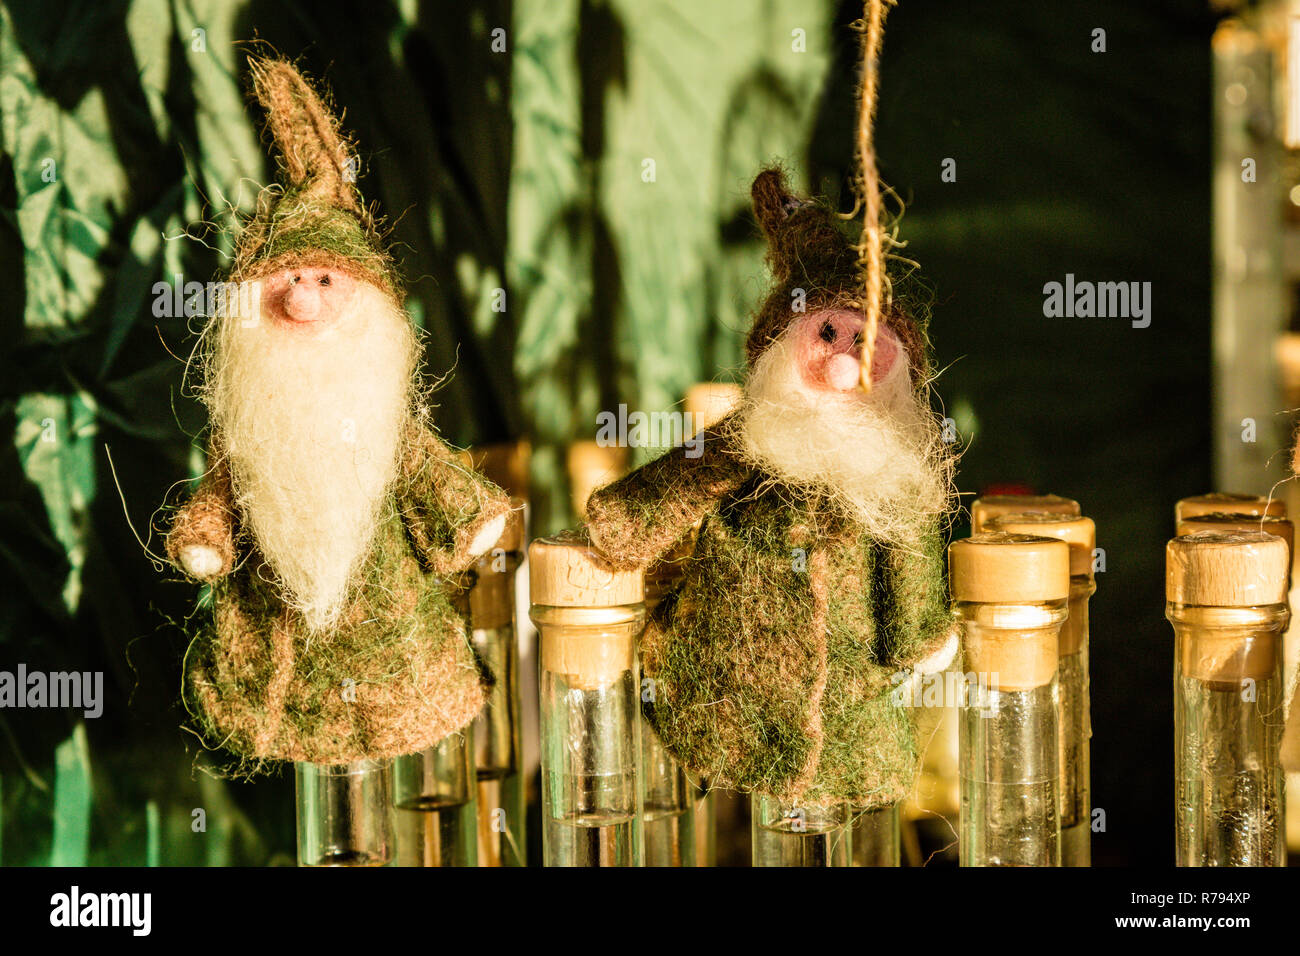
<point>815,593</point>
<point>331,511</point>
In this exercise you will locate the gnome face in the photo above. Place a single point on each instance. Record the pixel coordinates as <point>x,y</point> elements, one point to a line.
<point>876,454</point>
<point>310,395</point>
<point>828,348</point>
<point>314,298</point>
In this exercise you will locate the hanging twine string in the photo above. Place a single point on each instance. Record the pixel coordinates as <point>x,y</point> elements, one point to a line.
<point>871,253</point>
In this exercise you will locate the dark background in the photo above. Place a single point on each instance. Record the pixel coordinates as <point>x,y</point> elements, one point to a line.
<point>1067,161</point>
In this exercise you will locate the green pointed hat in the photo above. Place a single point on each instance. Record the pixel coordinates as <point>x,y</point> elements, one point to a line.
<point>317,219</point>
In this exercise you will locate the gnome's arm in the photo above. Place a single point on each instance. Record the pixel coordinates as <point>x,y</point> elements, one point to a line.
<point>639,517</point>
<point>913,612</point>
<point>201,541</point>
<point>452,513</point>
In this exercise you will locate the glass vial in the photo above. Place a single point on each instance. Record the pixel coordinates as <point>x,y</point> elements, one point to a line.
<point>1074,714</point>
<point>1011,596</point>
<point>344,813</point>
<point>790,834</point>
<point>588,617</point>
<point>877,836</point>
<point>1226,597</point>
<point>433,792</point>
<point>490,609</point>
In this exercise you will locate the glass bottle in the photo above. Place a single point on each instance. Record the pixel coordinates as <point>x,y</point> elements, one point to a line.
<point>489,604</point>
<point>938,790</point>
<point>1010,594</point>
<point>588,616</point>
<point>1225,596</point>
<point>877,836</point>
<point>1074,717</point>
<point>433,792</point>
<point>791,834</point>
<point>344,814</point>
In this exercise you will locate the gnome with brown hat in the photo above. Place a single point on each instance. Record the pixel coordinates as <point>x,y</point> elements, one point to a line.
<point>331,511</point>
<point>816,586</point>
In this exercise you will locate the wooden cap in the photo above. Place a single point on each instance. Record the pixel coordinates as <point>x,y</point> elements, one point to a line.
<point>983,510</point>
<point>1079,533</point>
<point>1222,521</point>
<point>1002,568</point>
<point>1227,569</point>
<point>709,402</point>
<point>1221,503</point>
<point>590,466</point>
<point>568,571</point>
<point>1287,352</point>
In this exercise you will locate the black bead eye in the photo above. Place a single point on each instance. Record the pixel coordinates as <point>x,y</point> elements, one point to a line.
<point>324,280</point>
<point>828,333</point>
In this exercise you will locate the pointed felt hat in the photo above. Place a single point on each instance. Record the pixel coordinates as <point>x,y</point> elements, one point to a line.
<point>808,250</point>
<point>316,217</point>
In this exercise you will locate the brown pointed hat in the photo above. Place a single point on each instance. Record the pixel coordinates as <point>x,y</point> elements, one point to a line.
<point>808,250</point>
<point>316,218</point>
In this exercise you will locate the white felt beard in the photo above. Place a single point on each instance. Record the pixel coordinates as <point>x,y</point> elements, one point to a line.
<point>312,422</point>
<point>880,456</point>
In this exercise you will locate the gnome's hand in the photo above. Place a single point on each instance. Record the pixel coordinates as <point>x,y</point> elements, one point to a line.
<point>202,561</point>
<point>487,536</point>
<point>639,517</point>
<point>452,513</point>
<point>201,541</point>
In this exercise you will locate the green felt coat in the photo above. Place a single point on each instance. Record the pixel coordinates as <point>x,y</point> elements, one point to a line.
<point>774,659</point>
<point>394,676</point>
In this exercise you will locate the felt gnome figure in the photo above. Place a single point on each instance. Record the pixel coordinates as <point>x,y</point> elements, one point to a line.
<point>817,582</point>
<point>331,512</point>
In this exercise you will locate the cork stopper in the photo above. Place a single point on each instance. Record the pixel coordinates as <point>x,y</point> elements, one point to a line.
<point>1002,568</point>
<point>591,466</point>
<point>1227,569</point>
<point>1079,534</point>
<point>1287,352</point>
<point>985,509</point>
<point>589,614</point>
<point>709,402</point>
<point>1223,521</point>
<point>1221,503</point>
<point>568,571</point>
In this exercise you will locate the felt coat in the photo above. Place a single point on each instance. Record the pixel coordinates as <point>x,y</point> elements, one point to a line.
<point>394,676</point>
<point>777,662</point>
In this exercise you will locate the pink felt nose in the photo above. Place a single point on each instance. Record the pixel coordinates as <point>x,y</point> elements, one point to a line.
<point>842,372</point>
<point>302,301</point>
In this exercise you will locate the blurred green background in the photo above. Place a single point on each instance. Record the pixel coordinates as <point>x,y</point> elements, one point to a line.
<point>126,144</point>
